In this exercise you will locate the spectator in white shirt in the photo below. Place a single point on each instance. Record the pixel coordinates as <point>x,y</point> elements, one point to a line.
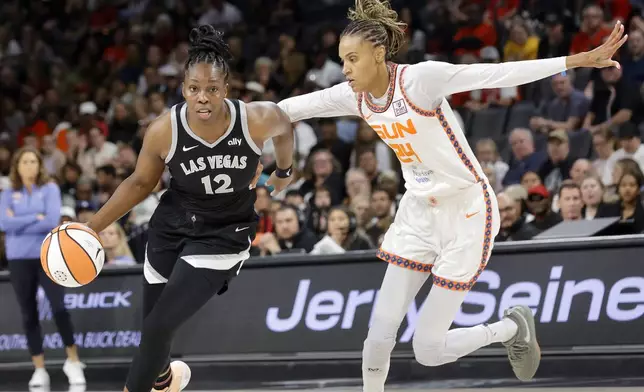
<point>488,155</point>
<point>101,153</point>
<point>604,146</point>
<point>305,138</point>
<point>631,147</point>
<point>325,73</point>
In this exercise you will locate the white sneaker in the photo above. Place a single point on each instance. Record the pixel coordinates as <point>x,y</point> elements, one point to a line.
<point>74,372</point>
<point>40,378</point>
<point>180,377</point>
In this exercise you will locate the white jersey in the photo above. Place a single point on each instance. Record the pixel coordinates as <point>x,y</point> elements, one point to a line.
<point>416,121</point>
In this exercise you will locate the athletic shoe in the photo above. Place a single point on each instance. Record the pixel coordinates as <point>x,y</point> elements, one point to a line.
<point>40,378</point>
<point>180,377</point>
<point>523,349</point>
<point>74,372</point>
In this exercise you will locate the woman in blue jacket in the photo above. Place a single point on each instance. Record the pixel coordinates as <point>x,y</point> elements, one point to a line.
<point>29,209</point>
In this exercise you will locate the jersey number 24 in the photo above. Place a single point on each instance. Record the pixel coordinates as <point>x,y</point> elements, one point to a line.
<point>223,180</point>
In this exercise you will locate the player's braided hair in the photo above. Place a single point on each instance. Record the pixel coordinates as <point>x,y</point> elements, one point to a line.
<point>207,45</point>
<point>376,22</point>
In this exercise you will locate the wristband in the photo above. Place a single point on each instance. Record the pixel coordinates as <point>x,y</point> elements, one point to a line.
<point>283,173</point>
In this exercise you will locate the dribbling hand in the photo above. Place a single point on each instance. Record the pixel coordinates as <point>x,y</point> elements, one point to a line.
<point>602,56</point>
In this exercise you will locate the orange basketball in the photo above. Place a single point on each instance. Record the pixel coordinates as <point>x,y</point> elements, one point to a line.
<point>72,255</point>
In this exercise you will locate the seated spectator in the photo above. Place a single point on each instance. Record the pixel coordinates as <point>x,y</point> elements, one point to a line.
<point>323,169</point>
<point>625,165</point>
<point>556,42</point>
<point>263,211</point>
<point>319,211</point>
<point>580,169</point>
<point>142,212</point>
<point>342,234</point>
<point>513,224</point>
<point>615,101</point>
<point>557,167</point>
<point>566,110</point>
<point>525,158</point>
<point>381,203</point>
<point>475,34</point>
<point>53,158</point>
<point>99,154</point>
<point>361,207</point>
<point>368,163</point>
<point>68,178</point>
<point>570,204</point>
<point>390,182</point>
<point>592,193</point>
<point>629,207</point>
<point>539,204</point>
<point>630,147</point>
<point>491,177</point>
<point>117,251</point>
<point>293,198</point>
<point>619,10</point>
<point>488,155</point>
<point>519,195</point>
<point>106,182</point>
<point>530,179</point>
<point>604,147</point>
<point>592,31</point>
<point>304,139</point>
<point>84,210</point>
<point>522,44</point>
<point>366,137</point>
<point>357,183</point>
<point>325,72</point>
<point>291,234</point>
<point>502,11</point>
<point>632,61</point>
<point>329,140</point>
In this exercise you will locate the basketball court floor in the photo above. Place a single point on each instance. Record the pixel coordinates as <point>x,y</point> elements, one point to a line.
<point>548,385</point>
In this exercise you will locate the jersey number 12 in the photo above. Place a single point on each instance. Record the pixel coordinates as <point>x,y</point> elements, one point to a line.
<point>223,180</point>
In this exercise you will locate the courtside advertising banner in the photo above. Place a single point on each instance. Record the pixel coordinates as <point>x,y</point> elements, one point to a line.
<point>581,298</point>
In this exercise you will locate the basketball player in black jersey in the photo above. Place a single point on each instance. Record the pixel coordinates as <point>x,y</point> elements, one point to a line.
<point>200,234</point>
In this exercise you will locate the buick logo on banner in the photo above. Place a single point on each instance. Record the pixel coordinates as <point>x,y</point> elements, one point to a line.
<point>72,301</point>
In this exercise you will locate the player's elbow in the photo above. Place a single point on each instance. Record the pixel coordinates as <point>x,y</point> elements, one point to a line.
<point>141,184</point>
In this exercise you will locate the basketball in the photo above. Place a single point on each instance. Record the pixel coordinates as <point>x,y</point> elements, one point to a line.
<point>72,255</point>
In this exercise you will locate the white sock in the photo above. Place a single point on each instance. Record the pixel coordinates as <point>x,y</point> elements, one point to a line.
<point>502,331</point>
<point>374,380</point>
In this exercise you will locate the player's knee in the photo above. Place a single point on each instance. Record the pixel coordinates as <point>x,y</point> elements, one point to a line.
<point>381,338</point>
<point>429,354</point>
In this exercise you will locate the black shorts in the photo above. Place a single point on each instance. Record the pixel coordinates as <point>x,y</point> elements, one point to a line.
<point>175,234</point>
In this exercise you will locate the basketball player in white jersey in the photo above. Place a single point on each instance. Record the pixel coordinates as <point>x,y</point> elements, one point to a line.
<point>448,217</point>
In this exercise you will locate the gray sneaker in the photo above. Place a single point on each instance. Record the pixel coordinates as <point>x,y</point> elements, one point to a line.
<point>523,349</point>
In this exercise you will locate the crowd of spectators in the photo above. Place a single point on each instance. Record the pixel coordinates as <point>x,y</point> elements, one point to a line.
<point>81,79</point>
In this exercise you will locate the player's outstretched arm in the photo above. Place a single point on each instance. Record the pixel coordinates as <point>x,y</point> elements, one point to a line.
<point>336,101</point>
<point>148,171</point>
<point>267,121</point>
<point>438,79</point>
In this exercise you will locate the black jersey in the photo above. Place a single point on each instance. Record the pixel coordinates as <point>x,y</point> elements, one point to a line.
<point>211,180</point>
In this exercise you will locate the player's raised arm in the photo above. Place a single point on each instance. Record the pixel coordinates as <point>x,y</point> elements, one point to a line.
<point>335,101</point>
<point>148,171</point>
<point>442,79</point>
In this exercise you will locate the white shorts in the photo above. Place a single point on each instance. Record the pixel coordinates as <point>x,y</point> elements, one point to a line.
<point>450,237</point>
